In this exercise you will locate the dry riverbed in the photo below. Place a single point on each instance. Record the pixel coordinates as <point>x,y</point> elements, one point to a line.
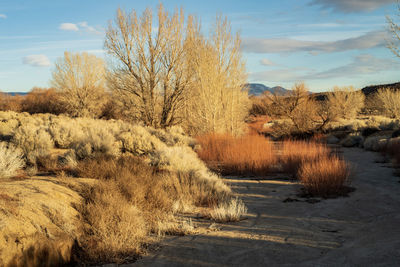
<point>284,229</point>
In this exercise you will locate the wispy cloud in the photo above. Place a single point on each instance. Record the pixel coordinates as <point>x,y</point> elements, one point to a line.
<point>37,60</point>
<point>80,26</point>
<point>3,16</point>
<point>267,62</point>
<point>68,27</point>
<point>348,6</point>
<point>361,65</point>
<point>287,45</point>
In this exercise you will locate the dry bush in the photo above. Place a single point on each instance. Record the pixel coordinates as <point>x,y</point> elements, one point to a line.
<point>345,102</point>
<point>11,160</point>
<point>95,141</point>
<point>33,141</point>
<point>243,155</point>
<point>294,153</point>
<point>389,99</point>
<point>11,102</point>
<point>42,100</point>
<point>229,211</point>
<point>325,177</point>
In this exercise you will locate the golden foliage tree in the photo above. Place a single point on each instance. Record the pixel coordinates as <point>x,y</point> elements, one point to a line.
<point>219,101</point>
<point>80,80</point>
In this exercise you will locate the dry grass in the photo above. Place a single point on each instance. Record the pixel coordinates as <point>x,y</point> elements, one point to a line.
<point>244,155</point>
<point>294,153</point>
<point>133,200</point>
<point>230,211</point>
<point>325,177</point>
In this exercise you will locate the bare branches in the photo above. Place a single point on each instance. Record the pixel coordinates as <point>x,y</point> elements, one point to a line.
<point>80,79</point>
<point>394,43</point>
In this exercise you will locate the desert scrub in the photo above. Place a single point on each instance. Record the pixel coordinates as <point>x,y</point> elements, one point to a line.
<point>34,141</point>
<point>11,160</point>
<point>325,177</point>
<point>96,141</point>
<point>229,211</point>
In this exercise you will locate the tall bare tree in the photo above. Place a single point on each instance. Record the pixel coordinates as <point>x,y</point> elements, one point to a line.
<point>80,80</point>
<point>394,43</point>
<point>150,73</point>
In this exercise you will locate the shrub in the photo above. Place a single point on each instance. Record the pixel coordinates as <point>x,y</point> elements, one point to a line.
<point>352,140</point>
<point>294,153</point>
<point>11,160</point>
<point>96,141</point>
<point>345,102</point>
<point>41,100</point>
<point>243,155</point>
<point>33,141</point>
<point>390,100</point>
<point>375,143</point>
<point>325,177</point>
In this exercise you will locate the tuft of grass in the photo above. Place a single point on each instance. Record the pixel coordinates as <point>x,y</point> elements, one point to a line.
<point>229,211</point>
<point>251,154</point>
<point>294,153</point>
<point>325,177</point>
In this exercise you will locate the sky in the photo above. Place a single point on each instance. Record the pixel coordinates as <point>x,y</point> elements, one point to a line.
<point>320,42</point>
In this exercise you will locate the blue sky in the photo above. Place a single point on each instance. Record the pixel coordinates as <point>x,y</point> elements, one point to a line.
<point>321,42</point>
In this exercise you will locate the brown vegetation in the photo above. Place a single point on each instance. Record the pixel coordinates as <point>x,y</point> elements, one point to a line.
<point>325,176</point>
<point>243,155</point>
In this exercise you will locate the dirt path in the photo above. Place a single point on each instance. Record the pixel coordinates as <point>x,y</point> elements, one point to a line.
<point>360,230</point>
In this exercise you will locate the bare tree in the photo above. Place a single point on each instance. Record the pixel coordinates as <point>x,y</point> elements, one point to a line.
<point>394,43</point>
<point>345,102</point>
<point>150,73</point>
<point>80,80</point>
<point>219,101</point>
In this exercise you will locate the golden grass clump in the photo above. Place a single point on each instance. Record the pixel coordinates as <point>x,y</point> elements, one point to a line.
<point>229,211</point>
<point>243,155</point>
<point>325,177</point>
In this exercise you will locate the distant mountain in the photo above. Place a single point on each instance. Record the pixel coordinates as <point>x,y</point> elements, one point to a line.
<point>257,89</point>
<point>15,93</point>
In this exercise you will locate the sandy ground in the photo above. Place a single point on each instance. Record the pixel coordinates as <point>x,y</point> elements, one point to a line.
<point>360,230</point>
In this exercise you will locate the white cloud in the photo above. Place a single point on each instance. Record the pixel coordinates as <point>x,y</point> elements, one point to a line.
<point>287,45</point>
<point>84,25</point>
<point>37,60</point>
<point>68,27</point>
<point>348,6</point>
<point>3,16</point>
<point>80,26</point>
<point>267,62</point>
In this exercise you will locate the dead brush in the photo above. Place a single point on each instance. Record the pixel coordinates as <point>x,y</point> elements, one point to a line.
<point>243,155</point>
<point>325,177</point>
